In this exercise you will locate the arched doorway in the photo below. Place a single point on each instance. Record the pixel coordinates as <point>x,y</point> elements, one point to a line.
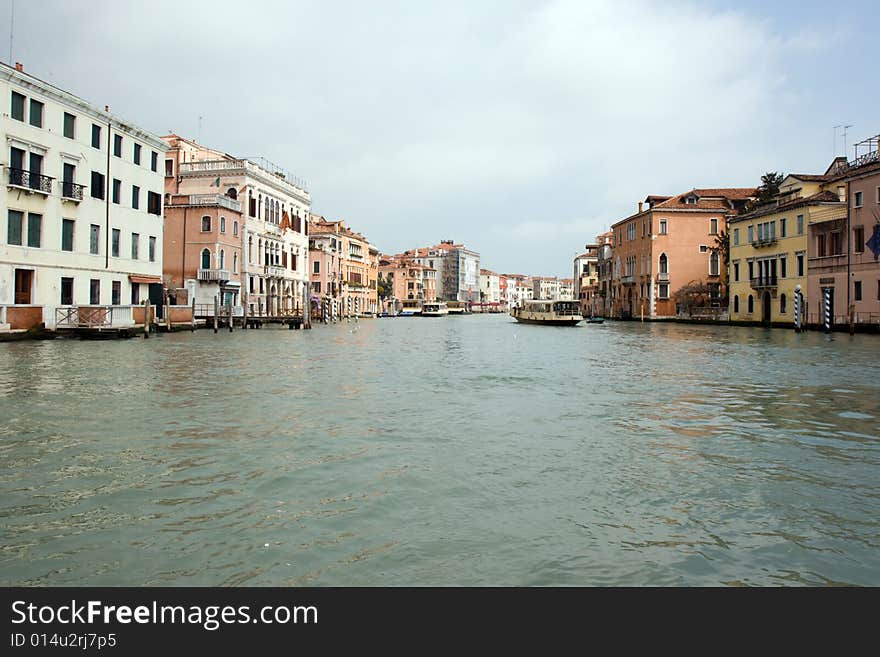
<point>765,308</point>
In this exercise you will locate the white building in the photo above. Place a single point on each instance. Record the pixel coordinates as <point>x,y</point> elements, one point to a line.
<point>275,207</point>
<point>490,286</point>
<point>545,287</point>
<point>519,289</point>
<point>566,289</point>
<point>82,205</point>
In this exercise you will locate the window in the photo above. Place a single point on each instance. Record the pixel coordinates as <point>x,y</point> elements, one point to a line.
<point>67,234</point>
<point>782,266</point>
<point>800,224</point>
<point>857,290</point>
<point>663,291</point>
<point>735,303</point>
<point>782,228</point>
<point>154,161</point>
<point>736,271</point>
<point>222,258</point>
<point>234,263</point>
<point>13,227</point>
<point>252,205</point>
<point>664,264</point>
<point>97,185</point>
<point>117,190</point>
<point>222,224</point>
<point>858,239</point>
<point>169,168</point>
<point>116,293</point>
<point>37,114</point>
<point>631,231</point>
<point>35,226</point>
<point>206,260</point>
<point>154,203</point>
<point>836,243</point>
<point>95,239</point>
<point>117,145</point>
<point>94,292</point>
<point>751,269</point>
<point>152,249</point>
<point>17,106</point>
<point>714,264</point>
<point>783,303</point>
<point>751,234</point>
<point>713,226</point>
<point>235,228</point>
<point>137,153</point>
<point>736,236</point>
<point>96,136</point>
<point>69,125</point>
<point>857,197</point>
<point>251,284</point>
<point>704,248</point>
<point>114,243</point>
<point>317,267</point>
<point>135,197</point>
<point>800,264</point>
<point>820,245</point>
<point>135,294</point>
<point>206,224</point>
<point>751,304</point>
<point>66,291</point>
<point>135,244</point>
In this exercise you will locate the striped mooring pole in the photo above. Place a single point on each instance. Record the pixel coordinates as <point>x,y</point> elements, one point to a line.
<point>797,309</point>
<point>827,293</point>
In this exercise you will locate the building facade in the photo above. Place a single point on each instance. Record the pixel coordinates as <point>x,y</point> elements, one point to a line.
<point>490,286</point>
<point>457,268</point>
<point>82,207</point>
<point>566,289</point>
<point>586,280</point>
<point>768,248</point>
<point>545,287</point>
<point>345,272</point>
<point>670,243</point>
<point>274,230</point>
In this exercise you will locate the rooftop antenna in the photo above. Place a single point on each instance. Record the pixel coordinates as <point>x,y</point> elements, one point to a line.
<point>11,26</point>
<point>835,140</point>
<point>199,133</point>
<point>845,128</point>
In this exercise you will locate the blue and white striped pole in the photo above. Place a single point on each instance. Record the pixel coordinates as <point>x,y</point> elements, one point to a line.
<point>797,309</point>
<point>827,292</point>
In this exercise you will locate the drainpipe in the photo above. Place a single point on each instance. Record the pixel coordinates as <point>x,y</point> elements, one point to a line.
<point>848,252</point>
<point>107,191</point>
<point>183,263</point>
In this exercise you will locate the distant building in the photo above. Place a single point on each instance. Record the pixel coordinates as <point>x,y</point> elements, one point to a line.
<point>82,208</point>
<point>457,270</point>
<point>545,287</point>
<point>412,284</point>
<point>604,263</point>
<point>490,286</point>
<point>566,289</point>
<point>345,278</point>
<point>519,289</point>
<point>586,281</point>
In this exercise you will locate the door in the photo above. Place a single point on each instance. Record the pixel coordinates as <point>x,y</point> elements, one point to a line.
<point>36,170</point>
<point>16,166</point>
<point>24,279</point>
<point>157,299</point>
<point>68,178</point>
<point>765,308</point>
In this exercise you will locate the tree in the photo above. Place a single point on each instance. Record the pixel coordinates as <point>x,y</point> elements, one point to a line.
<point>383,287</point>
<point>766,191</point>
<point>695,294</point>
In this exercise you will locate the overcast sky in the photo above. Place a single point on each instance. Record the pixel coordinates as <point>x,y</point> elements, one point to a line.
<point>520,128</point>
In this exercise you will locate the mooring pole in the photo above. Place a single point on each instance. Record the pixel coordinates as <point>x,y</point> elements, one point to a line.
<point>146,318</point>
<point>827,293</point>
<point>797,309</point>
<point>216,311</point>
<point>229,305</point>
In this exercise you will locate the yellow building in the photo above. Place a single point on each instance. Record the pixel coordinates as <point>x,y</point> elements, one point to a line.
<point>768,248</point>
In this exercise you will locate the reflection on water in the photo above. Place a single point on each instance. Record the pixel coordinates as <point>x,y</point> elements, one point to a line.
<point>460,450</point>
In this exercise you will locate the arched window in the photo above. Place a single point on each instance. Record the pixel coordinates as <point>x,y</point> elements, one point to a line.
<point>664,264</point>
<point>206,259</point>
<point>235,228</point>
<point>259,252</point>
<point>222,224</point>
<point>232,193</point>
<point>235,263</point>
<point>250,249</point>
<point>736,303</point>
<point>206,224</point>
<point>714,264</point>
<point>783,303</point>
<point>266,210</point>
<point>751,304</point>
<point>222,258</point>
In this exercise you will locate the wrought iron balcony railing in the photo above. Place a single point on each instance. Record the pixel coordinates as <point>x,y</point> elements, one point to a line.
<point>763,281</point>
<point>33,181</point>
<point>72,191</point>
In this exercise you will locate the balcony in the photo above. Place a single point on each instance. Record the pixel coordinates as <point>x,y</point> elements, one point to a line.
<point>627,280</point>
<point>765,240</point>
<point>33,182</point>
<point>275,272</point>
<point>826,262</point>
<point>215,199</point>
<point>663,277</point>
<point>213,274</point>
<point>70,191</point>
<point>762,282</point>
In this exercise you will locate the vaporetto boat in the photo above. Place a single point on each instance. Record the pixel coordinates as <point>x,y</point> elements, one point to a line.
<point>551,313</point>
<point>434,309</point>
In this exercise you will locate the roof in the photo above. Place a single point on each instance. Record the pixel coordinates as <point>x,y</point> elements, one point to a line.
<point>774,206</point>
<point>708,199</point>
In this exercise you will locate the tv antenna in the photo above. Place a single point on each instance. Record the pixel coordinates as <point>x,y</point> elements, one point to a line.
<point>845,128</point>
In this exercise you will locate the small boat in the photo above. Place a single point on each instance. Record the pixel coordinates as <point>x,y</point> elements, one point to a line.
<point>434,309</point>
<point>595,320</point>
<point>548,312</point>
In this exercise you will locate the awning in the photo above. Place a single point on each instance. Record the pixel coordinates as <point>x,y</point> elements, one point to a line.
<point>138,278</point>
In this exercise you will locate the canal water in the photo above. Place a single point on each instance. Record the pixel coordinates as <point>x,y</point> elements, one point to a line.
<point>460,450</point>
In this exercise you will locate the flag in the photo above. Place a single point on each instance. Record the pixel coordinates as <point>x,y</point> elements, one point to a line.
<point>217,182</point>
<point>874,242</point>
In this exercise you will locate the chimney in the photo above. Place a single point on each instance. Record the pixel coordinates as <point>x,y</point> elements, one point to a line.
<point>640,206</point>
<point>107,108</point>
<point>19,67</point>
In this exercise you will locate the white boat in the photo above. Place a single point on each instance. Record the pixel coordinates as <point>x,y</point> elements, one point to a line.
<point>546,311</point>
<point>434,309</point>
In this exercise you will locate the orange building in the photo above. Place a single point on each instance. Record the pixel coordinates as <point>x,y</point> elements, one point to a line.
<point>412,284</point>
<point>668,244</point>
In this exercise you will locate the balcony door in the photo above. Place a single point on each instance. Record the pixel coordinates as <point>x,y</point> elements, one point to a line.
<point>765,307</point>
<point>16,166</point>
<point>24,279</point>
<point>35,170</point>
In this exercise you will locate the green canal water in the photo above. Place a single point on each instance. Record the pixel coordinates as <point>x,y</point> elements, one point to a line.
<point>460,450</point>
